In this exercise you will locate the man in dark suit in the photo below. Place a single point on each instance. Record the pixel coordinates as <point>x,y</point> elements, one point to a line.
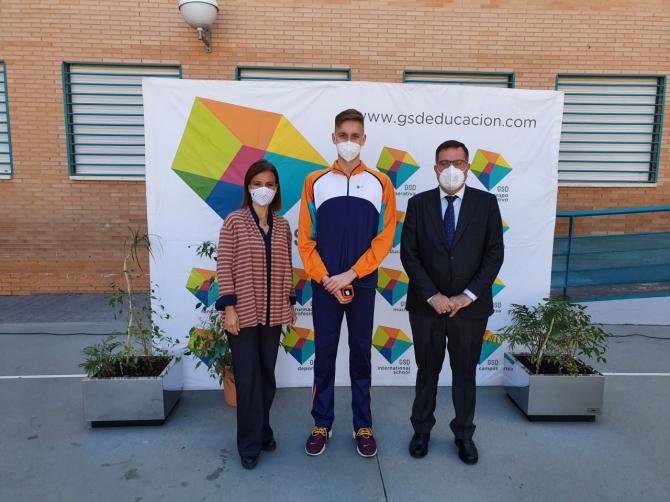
<point>452,250</point>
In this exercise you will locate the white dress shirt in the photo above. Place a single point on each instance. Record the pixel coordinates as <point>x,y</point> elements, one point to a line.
<point>457,203</point>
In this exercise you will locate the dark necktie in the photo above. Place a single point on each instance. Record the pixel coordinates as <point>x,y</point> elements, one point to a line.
<point>450,219</point>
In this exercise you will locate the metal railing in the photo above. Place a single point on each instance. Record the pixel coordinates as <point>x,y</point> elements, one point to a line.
<point>647,269</point>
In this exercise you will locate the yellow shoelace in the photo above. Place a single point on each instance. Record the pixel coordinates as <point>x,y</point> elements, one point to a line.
<point>365,432</point>
<point>322,431</point>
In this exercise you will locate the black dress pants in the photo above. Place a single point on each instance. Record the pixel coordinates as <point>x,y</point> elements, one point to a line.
<point>254,357</point>
<point>463,340</point>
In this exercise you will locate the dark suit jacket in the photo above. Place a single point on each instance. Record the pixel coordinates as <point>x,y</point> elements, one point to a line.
<point>472,263</point>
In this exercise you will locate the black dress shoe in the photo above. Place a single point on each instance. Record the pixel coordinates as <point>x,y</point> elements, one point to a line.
<point>270,445</point>
<point>418,446</point>
<point>467,451</point>
<point>249,462</point>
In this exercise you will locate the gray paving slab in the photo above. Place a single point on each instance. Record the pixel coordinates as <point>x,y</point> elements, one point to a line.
<point>56,457</point>
<point>628,352</point>
<point>47,452</point>
<point>51,455</point>
<point>43,354</point>
<point>606,460</point>
<point>58,308</point>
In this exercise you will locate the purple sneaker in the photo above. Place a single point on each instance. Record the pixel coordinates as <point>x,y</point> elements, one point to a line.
<point>365,442</point>
<point>316,442</point>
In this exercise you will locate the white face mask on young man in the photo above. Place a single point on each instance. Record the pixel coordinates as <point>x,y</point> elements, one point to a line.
<point>451,178</point>
<point>348,150</point>
<point>262,196</point>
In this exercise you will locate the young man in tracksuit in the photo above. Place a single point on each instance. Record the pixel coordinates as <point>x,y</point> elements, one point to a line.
<point>346,228</point>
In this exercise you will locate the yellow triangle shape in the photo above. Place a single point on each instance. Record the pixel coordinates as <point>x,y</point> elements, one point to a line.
<point>408,159</point>
<point>502,162</point>
<point>288,141</point>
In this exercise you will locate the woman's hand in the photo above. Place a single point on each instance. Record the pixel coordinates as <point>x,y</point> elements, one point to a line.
<point>232,322</point>
<point>293,317</point>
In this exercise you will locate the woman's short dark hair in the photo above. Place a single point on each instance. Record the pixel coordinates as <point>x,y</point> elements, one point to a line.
<point>261,166</point>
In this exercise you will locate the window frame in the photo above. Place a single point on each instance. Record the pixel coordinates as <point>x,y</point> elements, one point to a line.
<point>656,134</point>
<point>297,69</point>
<point>511,78</point>
<point>5,94</point>
<point>69,124</point>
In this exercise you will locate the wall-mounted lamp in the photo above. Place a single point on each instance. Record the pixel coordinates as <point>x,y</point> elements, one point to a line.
<point>200,14</point>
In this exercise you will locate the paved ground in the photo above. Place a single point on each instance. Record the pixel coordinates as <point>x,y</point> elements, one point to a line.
<point>48,453</point>
<point>57,308</point>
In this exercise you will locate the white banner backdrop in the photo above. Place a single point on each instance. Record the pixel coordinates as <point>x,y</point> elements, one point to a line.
<point>202,135</point>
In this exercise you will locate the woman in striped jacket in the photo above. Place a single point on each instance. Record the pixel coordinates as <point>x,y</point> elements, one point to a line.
<point>257,295</point>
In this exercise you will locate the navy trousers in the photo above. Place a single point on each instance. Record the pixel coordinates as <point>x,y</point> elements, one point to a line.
<point>462,339</point>
<point>254,357</point>
<point>327,314</point>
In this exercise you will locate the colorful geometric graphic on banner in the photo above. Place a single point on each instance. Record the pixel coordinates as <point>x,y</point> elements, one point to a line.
<point>398,165</point>
<point>201,136</point>
<point>391,343</point>
<point>498,286</point>
<point>505,226</point>
<point>392,284</point>
<point>302,285</point>
<point>490,168</point>
<point>299,342</point>
<point>202,283</point>
<point>204,337</point>
<point>220,142</point>
<point>490,345</point>
<point>400,220</point>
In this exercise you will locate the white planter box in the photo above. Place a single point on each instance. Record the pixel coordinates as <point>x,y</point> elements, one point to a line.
<point>553,397</point>
<point>133,400</point>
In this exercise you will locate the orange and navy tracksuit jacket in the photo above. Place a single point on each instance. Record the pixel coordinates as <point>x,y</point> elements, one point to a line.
<point>346,222</point>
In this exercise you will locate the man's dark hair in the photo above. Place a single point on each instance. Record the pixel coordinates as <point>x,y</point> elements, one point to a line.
<point>349,114</point>
<point>261,166</point>
<point>452,143</point>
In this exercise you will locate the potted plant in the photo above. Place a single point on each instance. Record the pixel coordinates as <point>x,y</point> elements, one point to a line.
<point>209,341</point>
<point>548,379</point>
<point>136,381</point>
<point>210,346</point>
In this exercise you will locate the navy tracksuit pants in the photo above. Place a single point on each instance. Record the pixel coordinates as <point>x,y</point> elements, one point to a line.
<point>327,315</point>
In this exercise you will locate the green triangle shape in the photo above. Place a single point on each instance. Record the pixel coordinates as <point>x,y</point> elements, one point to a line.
<point>199,184</point>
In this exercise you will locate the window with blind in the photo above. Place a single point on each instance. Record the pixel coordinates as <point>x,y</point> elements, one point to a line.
<point>104,116</point>
<point>284,73</point>
<point>6,164</point>
<point>611,128</point>
<point>484,79</point>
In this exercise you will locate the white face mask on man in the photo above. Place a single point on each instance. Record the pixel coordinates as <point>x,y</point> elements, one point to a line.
<point>451,178</point>
<point>262,196</point>
<point>348,150</point>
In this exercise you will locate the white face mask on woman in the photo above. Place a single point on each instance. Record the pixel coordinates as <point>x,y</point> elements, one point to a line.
<point>348,150</point>
<point>262,196</point>
<point>451,178</point>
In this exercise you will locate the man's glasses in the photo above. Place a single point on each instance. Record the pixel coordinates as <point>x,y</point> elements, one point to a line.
<point>459,164</point>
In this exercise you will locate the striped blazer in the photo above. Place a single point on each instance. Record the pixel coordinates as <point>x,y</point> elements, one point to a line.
<point>242,272</point>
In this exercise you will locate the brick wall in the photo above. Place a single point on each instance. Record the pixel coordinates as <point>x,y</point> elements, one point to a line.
<point>62,235</point>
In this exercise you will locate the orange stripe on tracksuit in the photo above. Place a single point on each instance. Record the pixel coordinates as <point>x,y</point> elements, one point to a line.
<point>346,222</point>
